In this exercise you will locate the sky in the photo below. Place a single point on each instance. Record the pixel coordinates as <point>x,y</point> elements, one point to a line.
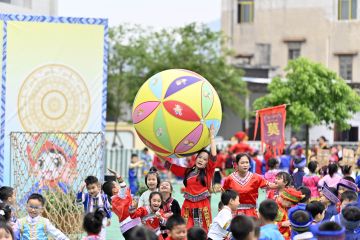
<point>155,13</point>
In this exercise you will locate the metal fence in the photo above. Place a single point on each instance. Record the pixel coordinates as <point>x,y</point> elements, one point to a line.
<point>118,159</point>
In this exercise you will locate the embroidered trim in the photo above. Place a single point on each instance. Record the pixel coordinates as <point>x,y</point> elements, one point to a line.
<point>186,215</point>
<point>242,181</point>
<point>197,198</point>
<point>246,206</point>
<point>207,217</point>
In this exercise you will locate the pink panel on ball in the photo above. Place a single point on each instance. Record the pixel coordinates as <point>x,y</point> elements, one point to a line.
<point>190,140</point>
<point>181,111</point>
<point>152,146</point>
<point>143,110</point>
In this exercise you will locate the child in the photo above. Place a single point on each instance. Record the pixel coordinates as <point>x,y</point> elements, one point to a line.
<point>134,167</point>
<point>34,226</point>
<point>177,228</point>
<point>273,165</point>
<point>94,199</point>
<point>196,233</point>
<point>351,221</point>
<point>142,233</point>
<point>346,183</point>
<point>8,196</point>
<point>328,196</point>
<point>328,230</point>
<point>220,206</point>
<point>218,229</point>
<point>311,180</point>
<point>92,224</point>
<point>6,233</point>
<point>152,181</point>
<point>267,213</point>
<point>299,172</point>
<point>317,211</point>
<point>121,201</point>
<point>332,178</point>
<point>242,228</point>
<point>346,198</point>
<point>151,216</point>
<point>282,180</point>
<point>300,222</point>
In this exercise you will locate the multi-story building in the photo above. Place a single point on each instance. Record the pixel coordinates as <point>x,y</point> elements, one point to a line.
<point>29,7</point>
<point>266,34</point>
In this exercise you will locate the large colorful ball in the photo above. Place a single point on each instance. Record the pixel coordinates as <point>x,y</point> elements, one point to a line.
<point>173,111</point>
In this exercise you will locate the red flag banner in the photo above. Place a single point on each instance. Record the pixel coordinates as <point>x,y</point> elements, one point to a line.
<point>272,128</point>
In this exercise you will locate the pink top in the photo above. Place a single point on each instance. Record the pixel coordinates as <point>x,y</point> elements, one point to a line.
<point>270,175</point>
<point>330,181</point>
<point>311,181</point>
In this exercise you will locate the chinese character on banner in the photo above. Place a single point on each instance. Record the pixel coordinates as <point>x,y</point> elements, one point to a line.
<point>272,128</point>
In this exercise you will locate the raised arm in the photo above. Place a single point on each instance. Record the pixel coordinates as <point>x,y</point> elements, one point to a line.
<point>212,142</point>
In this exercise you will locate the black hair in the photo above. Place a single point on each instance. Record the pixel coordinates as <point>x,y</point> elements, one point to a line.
<point>220,205</point>
<point>7,228</point>
<point>332,168</point>
<point>142,233</point>
<point>107,188</point>
<point>202,172</point>
<point>155,193</point>
<point>134,155</point>
<point>272,163</point>
<point>351,213</point>
<point>196,233</point>
<point>312,165</point>
<point>145,149</point>
<point>346,169</point>
<point>286,177</point>
<point>7,212</point>
<point>349,195</point>
<point>257,225</point>
<point>241,226</point>
<point>5,193</point>
<point>153,170</point>
<point>301,217</point>
<point>315,208</point>
<point>228,195</point>
<point>330,226</point>
<point>239,156</point>
<point>93,221</point>
<point>38,197</point>
<point>351,179</point>
<point>268,209</point>
<point>175,220</point>
<point>91,180</point>
<point>306,192</point>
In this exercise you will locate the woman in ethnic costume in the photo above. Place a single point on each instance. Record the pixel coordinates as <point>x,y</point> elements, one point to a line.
<point>247,184</point>
<point>197,180</point>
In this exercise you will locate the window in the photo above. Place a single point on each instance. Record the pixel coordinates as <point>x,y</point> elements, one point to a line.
<point>263,54</point>
<point>5,1</point>
<point>294,49</point>
<point>347,9</point>
<point>245,11</point>
<point>345,66</point>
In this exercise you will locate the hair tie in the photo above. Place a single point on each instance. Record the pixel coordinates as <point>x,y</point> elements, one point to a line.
<point>2,213</point>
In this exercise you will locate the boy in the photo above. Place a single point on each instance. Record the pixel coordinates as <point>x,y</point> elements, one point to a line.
<point>196,233</point>
<point>267,213</point>
<point>350,219</point>
<point>94,199</point>
<point>134,167</point>
<point>346,198</point>
<point>328,197</point>
<point>121,201</point>
<point>317,211</point>
<point>328,230</point>
<point>177,228</point>
<point>218,228</point>
<point>242,228</point>
<point>304,200</point>
<point>300,222</point>
<point>34,226</point>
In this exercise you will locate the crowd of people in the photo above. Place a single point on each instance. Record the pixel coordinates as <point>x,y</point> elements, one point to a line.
<point>303,200</point>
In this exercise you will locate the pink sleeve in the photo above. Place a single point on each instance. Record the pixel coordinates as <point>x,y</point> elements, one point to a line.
<point>321,181</point>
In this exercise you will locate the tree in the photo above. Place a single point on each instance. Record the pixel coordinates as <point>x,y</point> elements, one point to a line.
<point>315,95</point>
<point>137,53</point>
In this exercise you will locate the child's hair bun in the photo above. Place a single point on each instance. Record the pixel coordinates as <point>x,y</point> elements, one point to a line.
<point>153,170</point>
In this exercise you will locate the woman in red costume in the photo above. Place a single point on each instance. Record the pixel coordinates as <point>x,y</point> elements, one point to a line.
<point>247,184</point>
<point>197,180</point>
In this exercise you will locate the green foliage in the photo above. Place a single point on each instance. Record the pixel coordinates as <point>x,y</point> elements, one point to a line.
<point>137,53</point>
<point>315,94</point>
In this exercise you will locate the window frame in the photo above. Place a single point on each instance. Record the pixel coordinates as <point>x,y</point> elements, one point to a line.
<point>241,11</point>
<point>345,66</point>
<point>350,11</point>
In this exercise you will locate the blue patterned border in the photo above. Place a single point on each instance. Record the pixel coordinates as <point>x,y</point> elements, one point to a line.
<point>47,19</point>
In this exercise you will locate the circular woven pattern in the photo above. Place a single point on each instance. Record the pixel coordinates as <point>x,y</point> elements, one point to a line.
<point>53,98</point>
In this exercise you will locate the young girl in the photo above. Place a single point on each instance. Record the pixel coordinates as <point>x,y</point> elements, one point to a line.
<point>197,181</point>
<point>273,165</point>
<point>170,206</point>
<point>282,180</point>
<point>332,178</point>
<point>152,216</point>
<point>92,224</point>
<point>152,181</point>
<point>311,180</point>
<point>328,197</point>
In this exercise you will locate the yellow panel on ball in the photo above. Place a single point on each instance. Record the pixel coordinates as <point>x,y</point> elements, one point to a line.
<point>173,111</point>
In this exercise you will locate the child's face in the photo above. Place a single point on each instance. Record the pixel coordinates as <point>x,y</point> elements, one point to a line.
<point>4,235</point>
<point>155,202</point>
<point>178,232</point>
<point>341,190</point>
<point>279,181</point>
<point>324,200</point>
<point>93,189</point>
<point>345,202</point>
<point>152,181</point>
<point>116,188</point>
<point>285,203</point>
<point>320,216</point>
<point>234,203</point>
<point>165,187</point>
<point>202,160</point>
<point>34,208</point>
<point>134,159</point>
<point>12,200</point>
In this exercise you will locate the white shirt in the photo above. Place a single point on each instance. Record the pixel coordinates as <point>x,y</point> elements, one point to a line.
<point>220,224</point>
